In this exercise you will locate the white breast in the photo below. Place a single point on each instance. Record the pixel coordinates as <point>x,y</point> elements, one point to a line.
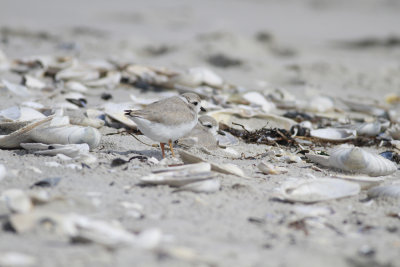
<point>161,132</point>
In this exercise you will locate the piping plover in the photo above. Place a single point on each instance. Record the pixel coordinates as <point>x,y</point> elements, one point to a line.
<point>168,119</point>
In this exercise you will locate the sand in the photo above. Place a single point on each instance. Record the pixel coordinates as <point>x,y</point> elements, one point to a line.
<point>294,45</point>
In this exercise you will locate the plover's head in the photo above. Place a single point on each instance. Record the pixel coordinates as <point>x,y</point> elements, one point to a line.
<point>194,101</point>
<point>210,123</point>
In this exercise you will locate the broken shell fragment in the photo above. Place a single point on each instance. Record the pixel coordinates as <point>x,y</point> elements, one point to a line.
<point>355,159</point>
<point>333,134</point>
<point>311,191</point>
<point>386,191</point>
<point>175,178</point>
<point>226,139</point>
<point>70,150</point>
<point>226,168</point>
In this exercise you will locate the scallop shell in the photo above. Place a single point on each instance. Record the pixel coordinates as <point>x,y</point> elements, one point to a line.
<point>311,191</point>
<point>333,134</point>
<point>355,159</point>
<point>386,191</point>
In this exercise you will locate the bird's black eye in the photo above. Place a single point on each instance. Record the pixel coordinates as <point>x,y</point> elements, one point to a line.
<point>209,126</point>
<point>195,103</point>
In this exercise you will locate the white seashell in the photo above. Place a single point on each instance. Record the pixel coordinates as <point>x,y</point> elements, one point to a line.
<point>31,104</point>
<point>68,134</point>
<point>70,150</point>
<point>319,159</point>
<point>175,178</point>
<point>20,114</point>
<point>189,168</point>
<point>116,112</point>
<point>251,120</point>
<point>110,81</point>
<point>32,82</point>
<point>258,99</point>
<point>268,168</point>
<point>365,182</point>
<point>226,168</point>
<point>16,89</point>
<point>78,73</point>
<point>65,105</point>
<point>206,186</point>
<point>16,259</point>
<point>320,104</point>
<point>386,191</point>
<point>76,86</point>
<point>355,159</point>
<point>17,201</point>
<point>3,172</point>
<point>364,108</point>
<point>83,121</point>
<point>198,76</point>
<point>291,159</point>
<point>316,190</point>
<point>366,128</point>
<point>333,134</point>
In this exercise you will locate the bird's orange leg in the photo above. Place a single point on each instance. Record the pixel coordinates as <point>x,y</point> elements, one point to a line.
<point>162,150</point>
<point>172,149</point>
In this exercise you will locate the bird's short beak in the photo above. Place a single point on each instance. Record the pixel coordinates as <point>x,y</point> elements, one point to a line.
<point>202,109</point>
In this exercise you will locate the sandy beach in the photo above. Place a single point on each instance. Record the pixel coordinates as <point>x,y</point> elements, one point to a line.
<point>337,49</point>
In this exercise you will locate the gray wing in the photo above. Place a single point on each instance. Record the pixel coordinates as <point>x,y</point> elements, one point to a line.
<point>172,111</point>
